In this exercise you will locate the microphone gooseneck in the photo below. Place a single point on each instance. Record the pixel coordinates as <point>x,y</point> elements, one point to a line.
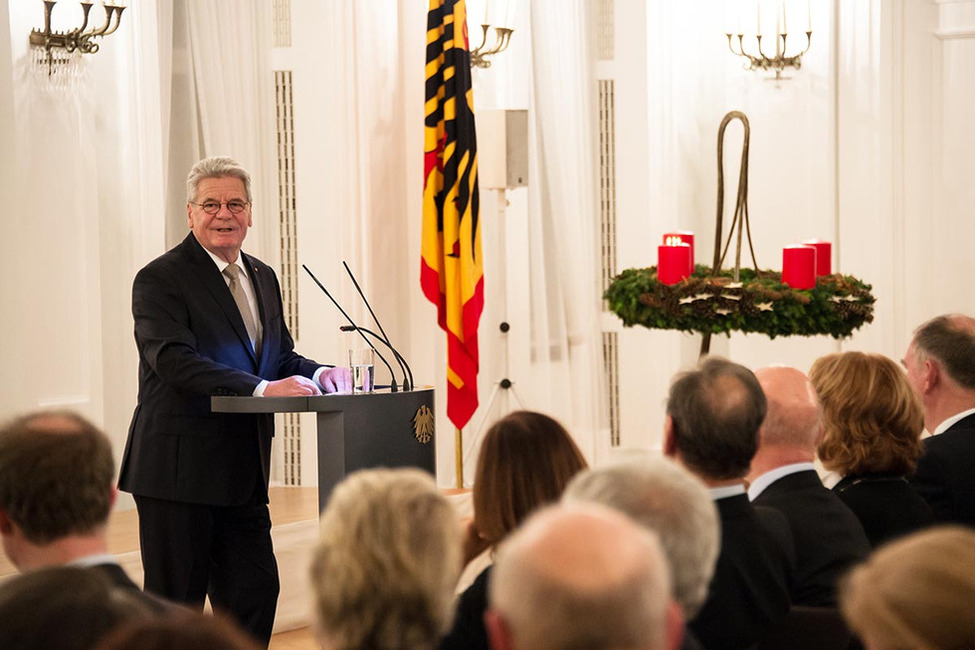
<point>392,378</point>
<point>405,367</point>
<point>407,372</point>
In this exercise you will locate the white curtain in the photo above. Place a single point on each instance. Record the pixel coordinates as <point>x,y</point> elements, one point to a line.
<point>564,219</point>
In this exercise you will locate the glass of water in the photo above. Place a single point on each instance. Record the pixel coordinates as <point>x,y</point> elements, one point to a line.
<point>363,369</point>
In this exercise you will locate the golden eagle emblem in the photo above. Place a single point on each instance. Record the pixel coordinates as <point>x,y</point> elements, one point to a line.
<point>423,424</point>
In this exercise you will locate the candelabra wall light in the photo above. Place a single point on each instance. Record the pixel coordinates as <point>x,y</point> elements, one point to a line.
<point>757,59</point>
<point>492,14</point>
<point>75,40</point>
<point>479,55</point>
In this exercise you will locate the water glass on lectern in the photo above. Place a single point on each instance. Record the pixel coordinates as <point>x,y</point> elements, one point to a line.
<point>363,369</point>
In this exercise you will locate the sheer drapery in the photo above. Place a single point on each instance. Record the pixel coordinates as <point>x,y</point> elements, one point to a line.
<point>563,221</point>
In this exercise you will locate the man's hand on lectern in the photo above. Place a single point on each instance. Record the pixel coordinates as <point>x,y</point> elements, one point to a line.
<point>293,386</point>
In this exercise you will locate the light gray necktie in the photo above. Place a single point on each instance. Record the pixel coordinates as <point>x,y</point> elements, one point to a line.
<point>233,272</point>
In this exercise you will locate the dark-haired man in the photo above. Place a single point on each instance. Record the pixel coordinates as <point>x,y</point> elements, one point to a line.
<point>56,493</point>
<point>940,364</point>
<point>713,416</point>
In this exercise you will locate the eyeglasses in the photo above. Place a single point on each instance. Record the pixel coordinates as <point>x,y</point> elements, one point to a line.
<point>213,207</point>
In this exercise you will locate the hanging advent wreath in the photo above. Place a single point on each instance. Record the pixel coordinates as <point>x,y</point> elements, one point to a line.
<point>758,302</point>
<point>712,301</point>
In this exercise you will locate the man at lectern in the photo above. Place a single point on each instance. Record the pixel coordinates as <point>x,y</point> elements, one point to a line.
<point>208,321</point>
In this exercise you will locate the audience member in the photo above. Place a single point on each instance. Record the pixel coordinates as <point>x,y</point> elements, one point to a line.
<point>940,364</point>
<point>915,593</point>
<point>67,608</point>
<point>665,498</point>
<point>525,462</point>
<point>713,416</point>
<point>582,576</point>
<point>872,424</point>
<point>828,537</point>
<point>385,570</point>
<point>56,494</point>
<point>187,630</point>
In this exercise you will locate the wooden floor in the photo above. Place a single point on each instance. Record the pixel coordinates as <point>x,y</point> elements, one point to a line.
<point>303,639</point>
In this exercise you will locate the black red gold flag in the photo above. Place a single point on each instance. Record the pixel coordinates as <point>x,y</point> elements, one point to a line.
<point>451,271</point>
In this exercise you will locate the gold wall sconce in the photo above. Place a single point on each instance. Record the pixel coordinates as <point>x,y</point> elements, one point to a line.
<point>75,40</point>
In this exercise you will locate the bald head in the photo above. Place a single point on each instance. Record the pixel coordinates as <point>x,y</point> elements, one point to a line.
<point>581,576</point>
<point>792,419</point>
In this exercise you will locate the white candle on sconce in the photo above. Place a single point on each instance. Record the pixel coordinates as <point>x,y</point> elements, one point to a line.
<point>778,34</point>
<point>808,15</point>
<point>758,20</point>
<point>785,29</point>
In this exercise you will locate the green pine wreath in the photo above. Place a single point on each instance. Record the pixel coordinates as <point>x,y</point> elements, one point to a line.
<point>759,302</point>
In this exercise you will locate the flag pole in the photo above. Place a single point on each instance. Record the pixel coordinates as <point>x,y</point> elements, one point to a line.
<point>459,456</point>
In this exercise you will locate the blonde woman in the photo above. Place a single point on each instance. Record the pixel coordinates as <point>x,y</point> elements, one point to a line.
<point>872,423</point>
<point>385,570</point>
<point>915,593</point>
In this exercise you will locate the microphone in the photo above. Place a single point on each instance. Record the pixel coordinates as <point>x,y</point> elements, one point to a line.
<point>407,385</point>
<point>405,367</point>
<point>392,377</point>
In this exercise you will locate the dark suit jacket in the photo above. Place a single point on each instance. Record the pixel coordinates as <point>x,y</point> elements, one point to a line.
<point>192,345</point>
<point>828,536</point>
<point>118,577</point>
<point>885,504</point>
<point>750,589</point>
<point>945,478</point>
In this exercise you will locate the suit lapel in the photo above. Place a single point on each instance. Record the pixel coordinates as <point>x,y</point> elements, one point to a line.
<point>214,283</point>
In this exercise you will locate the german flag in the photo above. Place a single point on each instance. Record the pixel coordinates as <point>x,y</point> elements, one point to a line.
<point>451,271</point>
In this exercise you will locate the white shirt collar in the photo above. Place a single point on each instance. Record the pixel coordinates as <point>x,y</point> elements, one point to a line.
<point>768,478</point>
<point>944,426</point>
<point>221,264</point>
<point>726,491</point>
<point>93,560</point>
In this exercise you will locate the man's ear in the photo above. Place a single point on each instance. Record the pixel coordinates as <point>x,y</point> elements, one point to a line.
<point>932,375</point>
<point>670,444</point>
<point>498,632</point>
<point>6,524</point>
<point>675,626</point>
<point>113,496</point>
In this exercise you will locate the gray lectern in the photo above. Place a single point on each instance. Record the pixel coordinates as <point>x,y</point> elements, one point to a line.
<point>380,429</point>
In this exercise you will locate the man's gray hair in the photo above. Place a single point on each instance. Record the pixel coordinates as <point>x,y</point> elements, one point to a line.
<point>666,498</point>
<point>216,167</point>
<point>949,340</point>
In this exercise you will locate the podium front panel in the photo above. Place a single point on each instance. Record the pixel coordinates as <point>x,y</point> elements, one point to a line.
<point>380,429</point>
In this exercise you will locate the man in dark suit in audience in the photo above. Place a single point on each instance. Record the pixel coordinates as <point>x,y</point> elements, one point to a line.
<point>56,494</point>
<point>713,417</point>
<point>209,321</point>
<point>828,536</point>
<point>940,364</point>
<point>581,576</point>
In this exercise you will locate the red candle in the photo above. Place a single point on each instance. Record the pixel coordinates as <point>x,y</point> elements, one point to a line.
<point>824,256</point>
<point>672,263</point>
<point>681,237</point>
<point>799,266</point>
